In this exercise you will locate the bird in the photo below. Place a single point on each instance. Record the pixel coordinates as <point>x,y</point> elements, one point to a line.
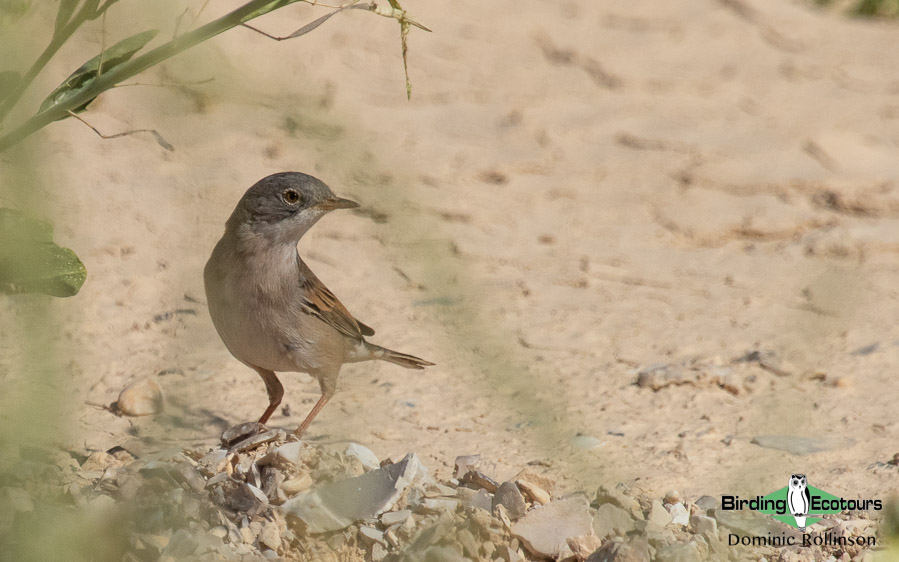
<point>270,310</point>
<point>798,498</point>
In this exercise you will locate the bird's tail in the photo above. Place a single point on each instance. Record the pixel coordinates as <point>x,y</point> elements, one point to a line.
<point>401,359</point>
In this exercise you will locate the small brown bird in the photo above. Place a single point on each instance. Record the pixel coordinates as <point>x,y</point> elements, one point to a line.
<point>271,311</point>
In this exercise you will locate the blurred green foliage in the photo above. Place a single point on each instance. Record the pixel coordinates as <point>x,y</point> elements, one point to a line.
<point>864,8</point>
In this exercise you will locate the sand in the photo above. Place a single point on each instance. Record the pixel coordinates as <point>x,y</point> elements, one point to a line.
<point>576,191</point>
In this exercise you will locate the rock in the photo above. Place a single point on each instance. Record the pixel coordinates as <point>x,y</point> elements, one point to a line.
<point>673,496</point>
<point>371,535</point>
<point>584,546</point>
<point>140,398</point>
<point>660,375</point>
<point>337,505</point>
<point>478,480</point>
<point>545,531</point>
<point>470,546</point>
<point>181,545</point>
<point>658,517</point>
<point>679,514</point>
<point>612,521</point>
<point>533,492</point>
<point>635,550</point>
<point>798,445</point>
<point>618,497</point>
<point>286,456</point>
<point>586,442</point>
<point>255,440</point>
<point>240,432</point>
<point>705,503</point>
<point>705,526</point>
<point>394,517</point>
<point>364,455</point>
<point>508,495</point>
<point>440,505</point>
<point>682,552</point>
<point>472,498</point>
<point>438,490</point>
<point>465,464</point>
<point>270,535</point>
<point>294,486</point>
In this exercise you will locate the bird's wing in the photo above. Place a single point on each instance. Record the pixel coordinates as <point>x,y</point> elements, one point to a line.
<point>320,302</point>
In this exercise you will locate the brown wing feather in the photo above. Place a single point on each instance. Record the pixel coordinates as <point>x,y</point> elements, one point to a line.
<point>319,301</point>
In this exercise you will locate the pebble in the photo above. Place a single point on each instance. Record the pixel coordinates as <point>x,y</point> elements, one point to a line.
<point>586,442</point>
<point>508,495</point>
<point>372,535</point>
<point>182,545</point>
<point>286,456</point>
<point>364,455</point>
<point>240,432</point>
<point>673,496</point>
<point>440,505</point>
<point>612,521</point>
<point>393,517</point>
<point>705,526</point>
<point>798,445</point>
<point>584,546</point>
<point>706,503</point>
<point>472,498</point>
<point>681,552</point>
<point>255,440</point>
<point>658,517</point>
<point>337,505</point>
<point>634,550</point>
<point>140,398</point>
<point>479,480</point>
<point>270,535</point>
<point>300,483</point>
<point>533,492</point>
<point>545,531</point>
<point>465,463</point>
<point>618,497</point>
<point>679,514</point>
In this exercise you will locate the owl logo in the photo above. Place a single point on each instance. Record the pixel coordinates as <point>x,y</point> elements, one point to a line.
<point>798,498</point>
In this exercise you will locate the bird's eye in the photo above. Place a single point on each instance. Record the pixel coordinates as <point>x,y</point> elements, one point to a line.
<point>291,196</point>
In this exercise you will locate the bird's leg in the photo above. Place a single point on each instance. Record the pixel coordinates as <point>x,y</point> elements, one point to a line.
<point>329,388</point>
<point>275,392</point>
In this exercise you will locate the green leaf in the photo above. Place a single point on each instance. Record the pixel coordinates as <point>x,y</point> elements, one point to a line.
<point>82,78</point>
<point>31,263</point>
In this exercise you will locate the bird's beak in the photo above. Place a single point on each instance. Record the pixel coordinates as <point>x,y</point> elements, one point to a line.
<point>336,203</point>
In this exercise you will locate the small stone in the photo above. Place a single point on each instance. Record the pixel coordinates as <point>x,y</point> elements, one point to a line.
<point>798,445</point>
<point>508,495</point>
<point>617,496</point>
<point>634,550</point>
<point>479,480</point>
<point>533,492</point>
<point>438,490</point>
<point>394,517</point>
<point>679,514</point>
<point>465,464</point>
<point>219,531</point>
<point>584,546</point>
<point>257,493</point>
<point>255,440</point>
<point>706,503</point>
<point>378,552</point>
<point>270,535</point>
<point>545,531</point>
<point>300,483</point>
<point>503,515</point>
<point>286,456</point>
<point>586,442</point>
<point>140,398</point>
<point>658,517</point>
<point>673,496</point>
<point>364,455</point>
<point>612,521</point>
<point>472,498</point>
<point>440,505</point>
<point>371,535</point>
<point>240,432</point>
<point>157,542</point>
<point>337,505</point>
<point>470,546</point>
<point>682,552</point>
<point>705,526</point>
<point>247,535</point>
<point>182,545</point>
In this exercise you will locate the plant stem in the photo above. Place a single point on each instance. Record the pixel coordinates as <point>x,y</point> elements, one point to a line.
<point>247,12</point>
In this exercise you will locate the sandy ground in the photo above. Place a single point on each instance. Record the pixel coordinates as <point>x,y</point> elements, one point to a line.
<point>577,190</point>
